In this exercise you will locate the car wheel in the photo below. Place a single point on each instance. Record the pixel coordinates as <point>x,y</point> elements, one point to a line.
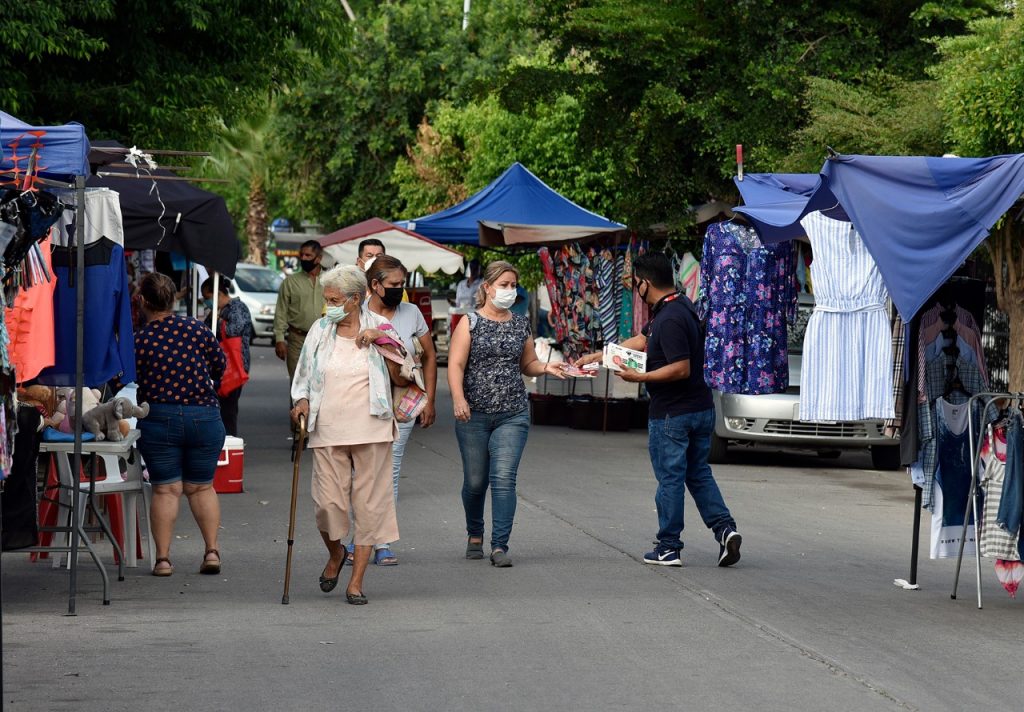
<point>719,449</point>
<point>829,454</point>
<point>885,457</point>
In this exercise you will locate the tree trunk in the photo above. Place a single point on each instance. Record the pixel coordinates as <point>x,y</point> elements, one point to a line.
<point>1016,323</point>
<point>1006,245</point>
<point>256,222</point>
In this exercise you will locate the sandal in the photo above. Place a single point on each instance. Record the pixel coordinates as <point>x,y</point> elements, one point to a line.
<point>327,584</point>
<point>356,599</point>
<point>163,572</point>
<point>210,567</point>
<point>385,557</point>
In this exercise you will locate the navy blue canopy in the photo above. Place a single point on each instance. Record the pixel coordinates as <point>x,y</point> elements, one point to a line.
<point>920,217</point>
<point>516,208</point>
<point>61,151</point>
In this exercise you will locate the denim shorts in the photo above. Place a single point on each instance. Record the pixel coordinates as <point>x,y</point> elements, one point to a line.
<point>181,443</point>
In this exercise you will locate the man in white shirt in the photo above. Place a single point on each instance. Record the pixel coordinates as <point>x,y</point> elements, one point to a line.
<point>465,291</point>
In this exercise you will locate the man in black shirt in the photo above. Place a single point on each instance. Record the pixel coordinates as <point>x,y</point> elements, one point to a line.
<point>682,414</point>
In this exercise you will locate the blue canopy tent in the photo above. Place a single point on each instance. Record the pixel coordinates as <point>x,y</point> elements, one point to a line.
<point>920,217</point>
<point>57,156</point>
<point>517,208</point>
<point>61,152</point>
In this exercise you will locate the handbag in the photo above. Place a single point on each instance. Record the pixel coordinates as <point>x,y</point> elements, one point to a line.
<point>409,400</point>
<point>234,372</point>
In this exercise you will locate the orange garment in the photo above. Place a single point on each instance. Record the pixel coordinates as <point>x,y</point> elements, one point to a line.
<point>30,325</point>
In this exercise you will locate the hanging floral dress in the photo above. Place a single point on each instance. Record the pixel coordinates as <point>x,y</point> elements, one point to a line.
<point>748,294</point>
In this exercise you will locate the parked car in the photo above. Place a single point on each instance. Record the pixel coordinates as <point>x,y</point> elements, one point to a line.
<point>257,288</point>
<point>774,419</point>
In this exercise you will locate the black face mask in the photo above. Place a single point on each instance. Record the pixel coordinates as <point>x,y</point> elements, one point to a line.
<point>393,296</point>
<point>643,295</point>
<point>308,265</point>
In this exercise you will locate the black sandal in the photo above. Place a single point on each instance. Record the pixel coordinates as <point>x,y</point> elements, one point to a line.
<point>356,599</point>
<point>327,584</point>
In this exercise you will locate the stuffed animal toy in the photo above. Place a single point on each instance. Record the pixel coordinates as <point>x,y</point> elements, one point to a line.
<point>104,421</point>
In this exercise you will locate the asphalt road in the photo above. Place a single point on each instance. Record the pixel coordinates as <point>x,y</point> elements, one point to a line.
<point>808,620</point>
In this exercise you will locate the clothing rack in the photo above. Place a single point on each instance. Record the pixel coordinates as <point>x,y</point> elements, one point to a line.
<point>972,498</point>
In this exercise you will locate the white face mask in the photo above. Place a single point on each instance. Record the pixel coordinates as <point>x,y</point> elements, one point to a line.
<point>504,298</point>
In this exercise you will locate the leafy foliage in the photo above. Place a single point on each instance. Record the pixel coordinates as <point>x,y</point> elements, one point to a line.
<point>159,73</point>
<point>348,123</point>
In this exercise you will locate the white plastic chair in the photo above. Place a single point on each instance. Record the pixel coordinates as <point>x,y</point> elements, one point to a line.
<point>131,486</point>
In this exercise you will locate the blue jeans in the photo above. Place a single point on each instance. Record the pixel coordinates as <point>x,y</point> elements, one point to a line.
<point>491,445</point>
<point>679,449</point>
<point>181,442</point>
<point>398,451</point>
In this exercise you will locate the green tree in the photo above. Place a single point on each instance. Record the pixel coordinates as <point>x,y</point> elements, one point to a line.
<point>467,147</point>
<point>347,124</point>
<point>246,155</point>
<point>673,86</point>
<point>157,73</point>
<point>982,82</point>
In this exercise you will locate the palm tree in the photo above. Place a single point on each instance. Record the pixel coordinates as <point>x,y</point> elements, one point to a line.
<point>244,154</point>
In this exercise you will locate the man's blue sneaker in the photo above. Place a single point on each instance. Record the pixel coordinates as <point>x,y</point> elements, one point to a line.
<point>729,547</point>
<point>663,556</point>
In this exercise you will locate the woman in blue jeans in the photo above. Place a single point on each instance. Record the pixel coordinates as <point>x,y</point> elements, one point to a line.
<point>177,361</point>
<point>489,354</point>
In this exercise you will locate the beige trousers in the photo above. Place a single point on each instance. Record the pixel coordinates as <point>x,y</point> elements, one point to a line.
<point>356,478</point>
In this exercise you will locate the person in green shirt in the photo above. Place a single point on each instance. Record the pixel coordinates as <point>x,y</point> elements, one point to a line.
<point>300,302</point>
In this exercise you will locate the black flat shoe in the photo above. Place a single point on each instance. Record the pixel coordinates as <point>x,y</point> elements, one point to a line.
<point>356,599</point>
<point>474,549</point>
<point>327,584</point>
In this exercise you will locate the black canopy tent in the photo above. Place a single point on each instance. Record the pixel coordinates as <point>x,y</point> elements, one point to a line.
<point>191,221</point>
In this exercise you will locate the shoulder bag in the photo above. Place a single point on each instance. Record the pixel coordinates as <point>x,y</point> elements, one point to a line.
<point>234,372</point>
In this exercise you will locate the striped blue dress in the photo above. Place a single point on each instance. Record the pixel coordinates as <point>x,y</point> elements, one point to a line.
<point>847,360</point>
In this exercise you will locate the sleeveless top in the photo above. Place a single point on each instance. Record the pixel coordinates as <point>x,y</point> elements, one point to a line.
<point>493,382</point>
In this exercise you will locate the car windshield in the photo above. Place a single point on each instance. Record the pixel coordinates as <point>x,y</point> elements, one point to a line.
<point>250,279</point>
<point>799,326</point>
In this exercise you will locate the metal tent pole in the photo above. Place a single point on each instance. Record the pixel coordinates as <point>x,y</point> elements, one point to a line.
<point>216,297</point>
<point>915,542</point>
<point>79,384</point>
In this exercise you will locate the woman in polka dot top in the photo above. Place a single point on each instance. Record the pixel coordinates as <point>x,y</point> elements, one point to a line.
<point>178,362</point>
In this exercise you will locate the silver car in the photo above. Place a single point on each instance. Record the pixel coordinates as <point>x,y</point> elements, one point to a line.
<point>257,288</point>
<point>775,419</point>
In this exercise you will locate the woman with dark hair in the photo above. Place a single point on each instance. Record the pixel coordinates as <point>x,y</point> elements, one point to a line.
<point>233,319</point>
<point>386,277</point>
<point>177,360</point>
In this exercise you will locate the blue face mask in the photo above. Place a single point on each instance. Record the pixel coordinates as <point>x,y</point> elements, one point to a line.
<point>208,303</point>
<point>336,314</point>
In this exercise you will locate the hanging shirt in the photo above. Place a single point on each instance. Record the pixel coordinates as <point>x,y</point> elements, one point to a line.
<point>102,218</point>
<point>748,292</point>
<point>847,359</point>
<point>30,326</point>
<point>109,342</point>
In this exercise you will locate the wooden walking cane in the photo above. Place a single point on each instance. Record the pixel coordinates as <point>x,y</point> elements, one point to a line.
<point>300,444</point>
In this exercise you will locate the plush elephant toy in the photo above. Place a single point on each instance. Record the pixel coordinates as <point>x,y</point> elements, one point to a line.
<point>104,420</point>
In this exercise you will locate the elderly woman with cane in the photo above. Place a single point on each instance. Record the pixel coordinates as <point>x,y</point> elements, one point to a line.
<point>342,387</point>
